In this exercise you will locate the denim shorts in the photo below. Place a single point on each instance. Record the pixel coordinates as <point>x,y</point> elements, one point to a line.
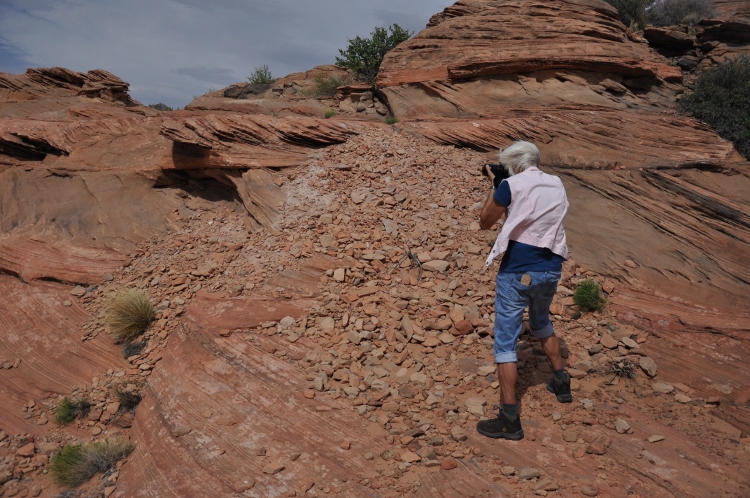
<point>511,298</point>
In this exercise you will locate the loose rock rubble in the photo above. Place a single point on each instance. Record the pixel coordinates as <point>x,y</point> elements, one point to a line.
<point>401,328</point>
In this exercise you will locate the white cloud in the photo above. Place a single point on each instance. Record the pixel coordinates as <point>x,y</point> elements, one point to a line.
<point>172,50</point>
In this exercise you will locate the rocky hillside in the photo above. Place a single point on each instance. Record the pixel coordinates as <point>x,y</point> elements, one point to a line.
<point>324,322</point>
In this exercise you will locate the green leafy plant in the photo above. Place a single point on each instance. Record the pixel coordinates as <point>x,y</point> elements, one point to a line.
<point>160,107</point>
<point>128,314</point>
<point>669,12</point>
<point>330,113</point>
<point>632,12</point>
<point>68,410</point>
<point>261,76</point>
<point>390,120</point>
<point>588,296</point>
<point>364,55</point>
<point>75,464</point>
<point>721,98</point>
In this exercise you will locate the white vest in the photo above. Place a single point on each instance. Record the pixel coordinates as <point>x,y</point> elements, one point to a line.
<point>535,216</point>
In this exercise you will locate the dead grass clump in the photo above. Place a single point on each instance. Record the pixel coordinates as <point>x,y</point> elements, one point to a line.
<point>128,400</point>
<point>129,312</point>
<point>623,368</point>
<point>68,410</point>
<point>75,464</point>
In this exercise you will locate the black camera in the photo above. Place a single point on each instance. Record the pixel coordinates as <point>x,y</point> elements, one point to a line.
<point>500,172</point>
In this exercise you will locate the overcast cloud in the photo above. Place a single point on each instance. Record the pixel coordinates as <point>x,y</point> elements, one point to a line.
<point>172,50</point>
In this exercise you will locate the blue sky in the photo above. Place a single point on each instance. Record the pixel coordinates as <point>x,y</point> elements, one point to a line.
<point>172,50</point>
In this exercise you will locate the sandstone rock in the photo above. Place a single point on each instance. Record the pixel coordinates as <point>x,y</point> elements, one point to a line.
<point>662,387</point>
<point>570,435</point>
<point>589,491</point>
<point>273,468</point>
<point>27,450</point>
<point>598,446</point>
<point>682,398</point>
<point>528,473</point>
<point>243,485</point>
<point>78,291</point>
<point>608,341</point>
<point>655,439</point>
<point>410,457</point>
<point>436,265</point>
<point>475,405</point>
<point>621,426</point>
<point>648,365</point>
<point>449,464</point>
<point>507,471</point>
<point>458,433</point>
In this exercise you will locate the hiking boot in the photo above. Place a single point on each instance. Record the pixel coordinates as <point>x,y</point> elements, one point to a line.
<point>501,428</point>
<point>561,389</point>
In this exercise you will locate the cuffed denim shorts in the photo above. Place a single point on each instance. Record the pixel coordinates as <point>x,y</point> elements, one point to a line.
<point>511,298</point>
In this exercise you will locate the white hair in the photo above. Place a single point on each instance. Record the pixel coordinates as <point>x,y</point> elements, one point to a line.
<point>519,157</point>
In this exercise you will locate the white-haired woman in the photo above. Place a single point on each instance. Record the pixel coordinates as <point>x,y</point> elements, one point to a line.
<point>532,241</point>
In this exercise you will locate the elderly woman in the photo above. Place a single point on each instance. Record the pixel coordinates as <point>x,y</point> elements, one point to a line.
<point>532,241</point>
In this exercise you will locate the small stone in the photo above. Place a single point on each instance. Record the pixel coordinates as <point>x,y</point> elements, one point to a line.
<point>243,485</point>
<point>546,484</point>
<point>589,491</point>
<point>528,473</point>
<point>507,471</point>
<point>648,365</point>
<point>78,291</point>
<point>273,468</point>
<point>27,450</point>
<point>621,426</point>
<point>449,464</point>
<point>682,398</point>
<point>662,387</point>
<point>436,265</point>
<point>410,457</point>
<point>579,452</point>
<point>458,433</point>
<point>598,446</point>
<point>655,439</point>
<point>570,435</point>
<point>96,430</point>
<point>181,430</point>
<point>109,490</point>
<point>67,303</point>
<point>345,445</point>
<point>608,341</point>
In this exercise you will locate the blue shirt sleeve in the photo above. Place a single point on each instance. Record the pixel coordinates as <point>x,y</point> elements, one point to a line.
<point>502,194</point>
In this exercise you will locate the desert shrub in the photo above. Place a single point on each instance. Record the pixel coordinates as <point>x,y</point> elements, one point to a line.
<point>330,113</point>
<point>588,296</point>
<point>632,12</point>
<point>68,410</point>
<point>721,98</point>
<point>364,55</point>
<point>623,368</point>
<point>75,464</point>
<point>391,120</point>
<point>261,76</point>
<point>128,400</point>
<point>325,86</point>
<point>132,348</point>
<point>669,12</point>
<point>129,312</point>
<point>160,107</point>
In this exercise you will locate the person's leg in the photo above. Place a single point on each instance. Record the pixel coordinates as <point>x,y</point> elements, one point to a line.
<point>507,374</point>
<point>551,348</point>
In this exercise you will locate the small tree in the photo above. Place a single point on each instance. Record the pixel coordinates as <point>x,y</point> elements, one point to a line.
<point>669,12</point>
<point>722,99</point>
<point>261,76</point>
<point>632,12</point>
<point>364,55</point>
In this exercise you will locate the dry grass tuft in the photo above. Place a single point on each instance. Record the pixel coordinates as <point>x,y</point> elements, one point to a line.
<point>129,312</point>
<point>75,464</point>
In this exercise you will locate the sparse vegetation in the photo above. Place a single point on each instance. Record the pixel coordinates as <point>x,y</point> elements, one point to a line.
<point>669,12</point>
<point>128,400</point>
<point>588,296</point>
<point>391,120</point>
<point>128,314</point>
<point>632,12</point>
<point>160,107</point>
<point>364,55</point>
<point>325,86</point>
<point>132,348</point>
<point>721,98</point>
<point>75,464</point>
<point>623,368</point>
<point>330,113</point>
<point>68,410</point>
<point>261,76</point>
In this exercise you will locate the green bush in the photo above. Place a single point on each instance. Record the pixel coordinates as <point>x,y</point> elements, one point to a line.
<point>326,86</point>
<point>75,464</point>
<point>160,107</point>
<point>669,12</point>
<point>330,113</point>
<point>588,296</point>
<point>261,76</point>
<point>68,410</point>
<point>128,400</point>
<point>391,120</point>
<point>632,12</point>
<point>128,314</point>
<point>364,55</point>
<point>721,98</point>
